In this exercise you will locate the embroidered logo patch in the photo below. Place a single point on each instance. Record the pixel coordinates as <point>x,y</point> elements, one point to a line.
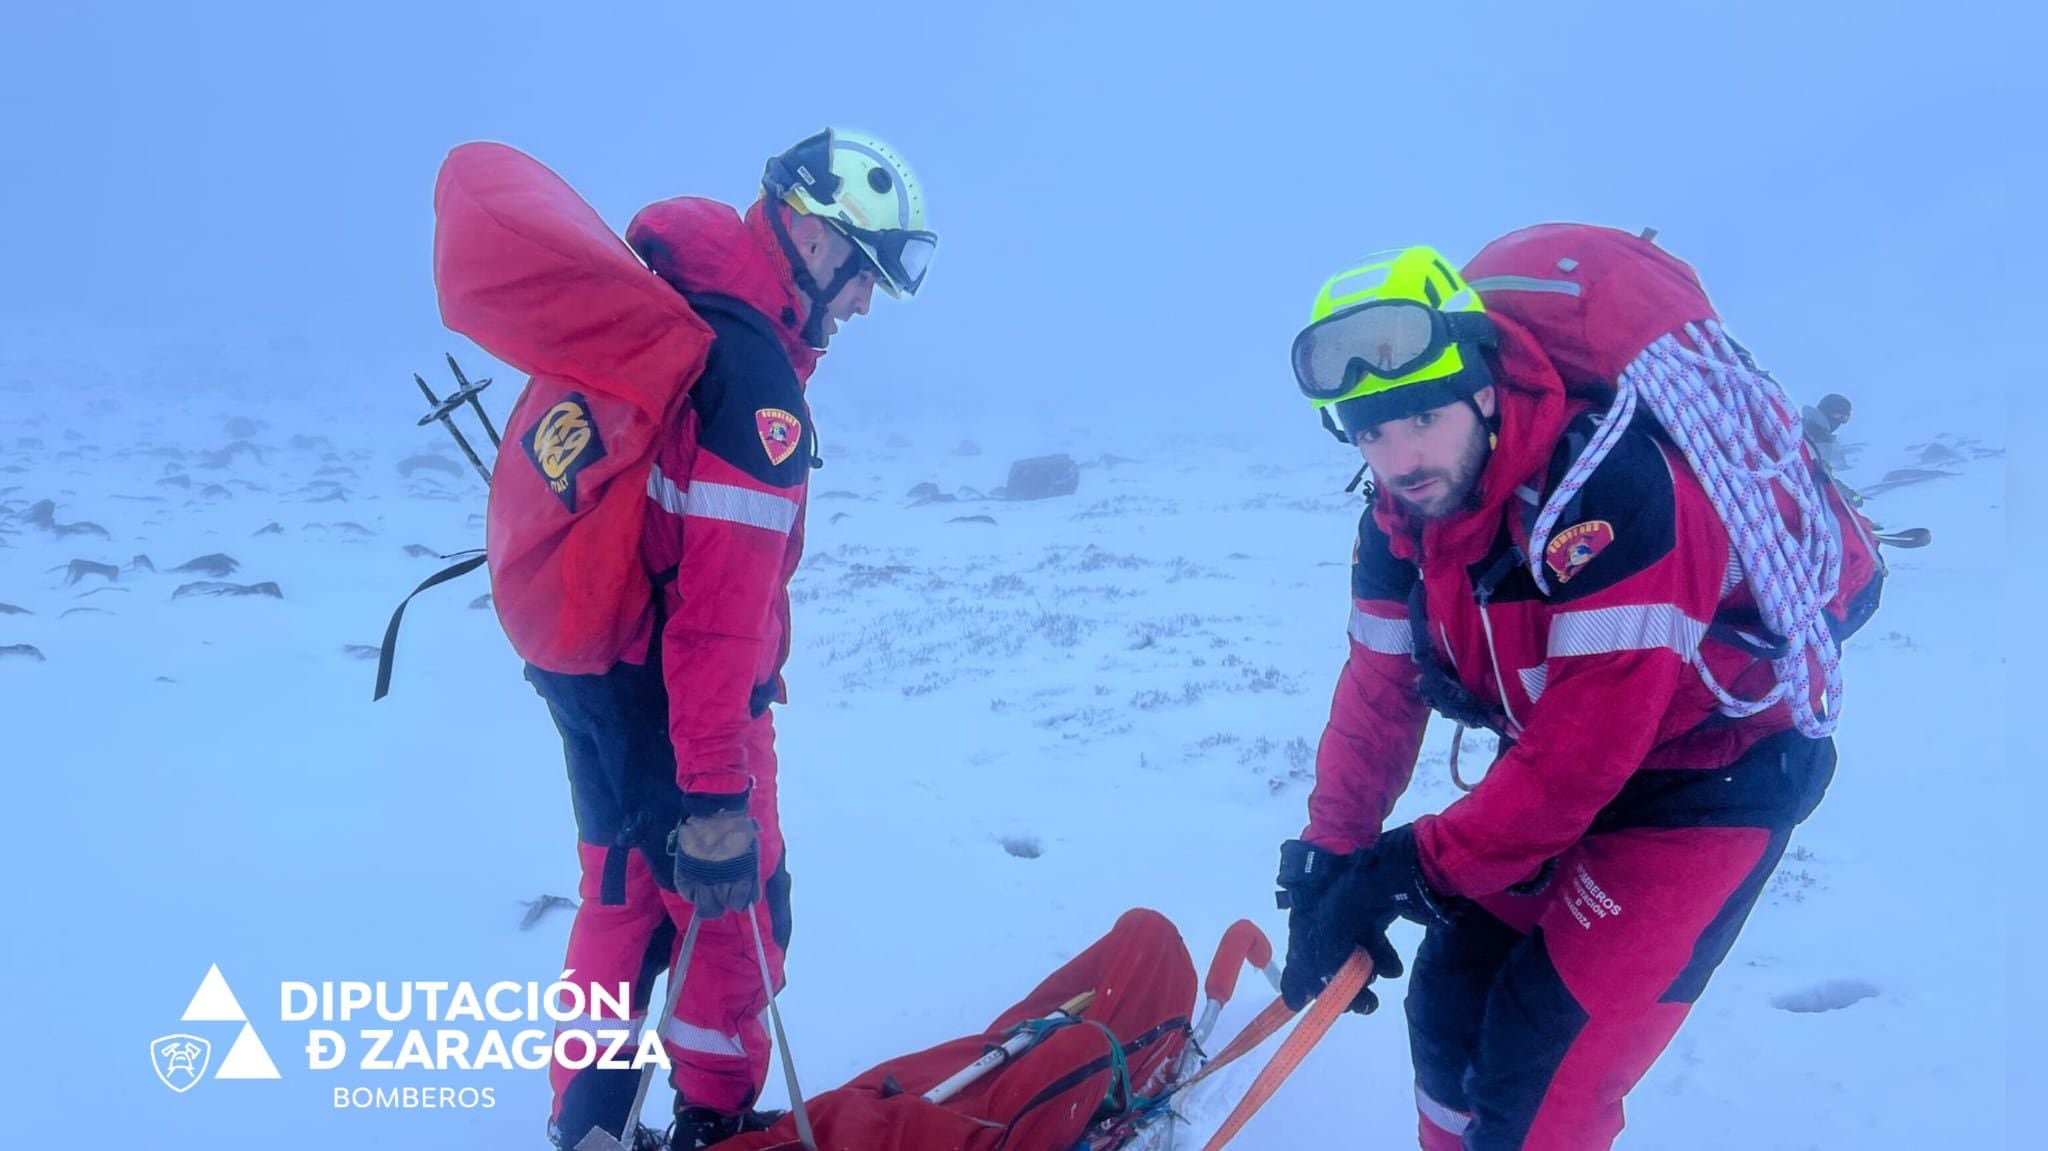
<point>780,433</point>
<point>1575,547</point>
<point>563,443</point>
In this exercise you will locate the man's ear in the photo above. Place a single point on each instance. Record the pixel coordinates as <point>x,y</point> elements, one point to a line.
<point>1484,399</point>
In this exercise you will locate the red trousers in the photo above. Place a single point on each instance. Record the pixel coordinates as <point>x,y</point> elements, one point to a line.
<point>631,924</point>
<point>1531,1017</point>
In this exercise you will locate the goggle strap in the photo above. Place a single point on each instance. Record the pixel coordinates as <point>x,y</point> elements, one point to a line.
<point>1471,328</point>
<point>863,249</point>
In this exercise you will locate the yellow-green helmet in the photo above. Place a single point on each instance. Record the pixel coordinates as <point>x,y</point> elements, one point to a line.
<point>1398,333</point>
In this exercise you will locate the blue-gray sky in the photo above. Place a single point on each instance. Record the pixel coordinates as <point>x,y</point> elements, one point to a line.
<point>1136,201</point>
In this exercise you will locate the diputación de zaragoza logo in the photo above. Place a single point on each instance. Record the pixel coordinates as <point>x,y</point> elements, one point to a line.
<point>589,1026</point>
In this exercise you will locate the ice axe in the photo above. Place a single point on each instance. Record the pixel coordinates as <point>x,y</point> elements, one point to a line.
<point>599,1139</point>
<point>444,411</point>
<point>1025,1035</point>
<point>464,390</point>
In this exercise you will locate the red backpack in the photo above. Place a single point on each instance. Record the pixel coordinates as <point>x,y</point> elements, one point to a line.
<point>1629,326</point>
<point>530,272</point>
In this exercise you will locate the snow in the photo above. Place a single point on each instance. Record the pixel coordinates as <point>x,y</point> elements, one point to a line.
<point>1000,736</point>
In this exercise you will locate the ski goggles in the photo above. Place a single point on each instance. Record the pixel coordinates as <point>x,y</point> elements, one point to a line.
<point>1379,344</point>
<point>901,256</point>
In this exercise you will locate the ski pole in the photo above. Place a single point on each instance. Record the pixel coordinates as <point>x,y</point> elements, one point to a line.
<point>599,1139</point>
<point>1027,1034</point>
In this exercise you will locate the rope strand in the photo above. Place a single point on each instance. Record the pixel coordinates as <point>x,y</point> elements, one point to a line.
<point>1737,430</point>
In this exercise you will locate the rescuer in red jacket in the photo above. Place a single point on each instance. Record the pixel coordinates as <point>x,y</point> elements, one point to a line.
<point>1578,898</point>
<point>671,753</point>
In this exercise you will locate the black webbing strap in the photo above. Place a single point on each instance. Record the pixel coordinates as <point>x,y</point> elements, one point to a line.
<point>390,646</point>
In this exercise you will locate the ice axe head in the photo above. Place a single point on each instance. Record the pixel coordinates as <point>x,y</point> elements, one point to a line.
<point>599,1139</point>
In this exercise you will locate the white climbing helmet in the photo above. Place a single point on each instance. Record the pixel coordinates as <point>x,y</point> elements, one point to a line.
<point>861,187</point>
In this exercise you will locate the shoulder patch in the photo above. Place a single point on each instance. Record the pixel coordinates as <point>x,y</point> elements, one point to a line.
<point>780,433</point>
<point>1626,515</point>
<point>749,403</point>
<point>562,443</point>
<point>1574,547</point>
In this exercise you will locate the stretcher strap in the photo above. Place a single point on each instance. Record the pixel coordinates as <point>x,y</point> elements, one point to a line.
<point>796,1094</point>
<point>1333,1002</point>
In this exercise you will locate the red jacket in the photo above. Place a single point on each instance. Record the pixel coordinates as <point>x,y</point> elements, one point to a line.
<point>1593,682</point>
<point>724,528</point>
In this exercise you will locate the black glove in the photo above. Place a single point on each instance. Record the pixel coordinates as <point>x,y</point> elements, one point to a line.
<point>718,855</point>
<point>1338,903</point>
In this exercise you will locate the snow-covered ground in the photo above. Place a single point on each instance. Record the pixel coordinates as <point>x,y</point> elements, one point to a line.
<point>1009,722</point>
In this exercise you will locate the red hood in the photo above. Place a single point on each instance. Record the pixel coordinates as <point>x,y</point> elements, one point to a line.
<point>1533,414</point>
<point>701,245</point>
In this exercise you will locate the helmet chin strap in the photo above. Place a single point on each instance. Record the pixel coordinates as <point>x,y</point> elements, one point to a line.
<point>820,298</point>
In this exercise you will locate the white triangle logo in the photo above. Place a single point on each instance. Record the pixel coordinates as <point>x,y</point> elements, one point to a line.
<point>247,1059</point>
<point>214,1003</point>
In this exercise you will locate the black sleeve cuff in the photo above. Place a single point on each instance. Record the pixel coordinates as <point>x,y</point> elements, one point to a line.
<point>702,803</point>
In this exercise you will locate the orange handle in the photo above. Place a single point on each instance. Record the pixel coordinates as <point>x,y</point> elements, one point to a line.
<point>1242,944</point>
<point>1335,999</point>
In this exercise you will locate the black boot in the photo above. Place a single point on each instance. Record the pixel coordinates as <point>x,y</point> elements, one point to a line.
<point>698,1127</point>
